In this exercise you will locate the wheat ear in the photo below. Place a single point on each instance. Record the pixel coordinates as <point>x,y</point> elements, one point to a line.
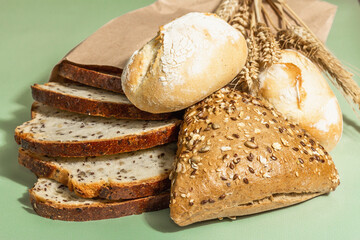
<point>247,80</point>
<point>269,47</point>
<point>241,19</point>
<point>227,9</point>
<point>300,39</point>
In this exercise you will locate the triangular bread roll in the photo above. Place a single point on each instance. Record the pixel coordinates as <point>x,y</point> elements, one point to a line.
<point>238,156</point>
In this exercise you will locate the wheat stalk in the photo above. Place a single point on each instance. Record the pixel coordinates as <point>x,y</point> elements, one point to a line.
<point>248,78</point>
<point>298,39</point>
<point>241,19</point>
<point>227,9</point>
<point>244,21</point>
<point>269,47</point>
<point>302,40</point>
<point>263,49</point>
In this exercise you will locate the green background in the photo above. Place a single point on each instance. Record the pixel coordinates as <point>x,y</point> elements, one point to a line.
<point>34,35</point>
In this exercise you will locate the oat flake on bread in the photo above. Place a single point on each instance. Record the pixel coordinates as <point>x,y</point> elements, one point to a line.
<point>190,58</point>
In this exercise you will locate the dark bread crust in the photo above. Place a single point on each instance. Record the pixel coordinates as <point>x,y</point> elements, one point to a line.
<point>137,190</point>
<point>107,190</point>
<point>98,211</point>
<point>91,77</point>
<point>112,146</point>
<point>93,107</point>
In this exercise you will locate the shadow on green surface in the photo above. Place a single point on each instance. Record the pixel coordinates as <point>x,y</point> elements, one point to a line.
<point>24,200</point>
<point>161,221</point>
<point>9,167</point>
<point>352,123</point>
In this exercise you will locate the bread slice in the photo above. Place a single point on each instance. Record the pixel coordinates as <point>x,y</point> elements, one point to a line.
<point>122,176</point>
<point>84,99</point>
<point>53,200</point>
<point>238,156</point>
<point>94,78</point>
<point>59,133</point>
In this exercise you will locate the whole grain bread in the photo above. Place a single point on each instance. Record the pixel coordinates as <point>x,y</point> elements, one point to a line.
<point>238,156</point>
<point>60,133</point>
<point>122,176</point>
<point>90,77</point>
<point>74,97</point>
<point>53,200</point>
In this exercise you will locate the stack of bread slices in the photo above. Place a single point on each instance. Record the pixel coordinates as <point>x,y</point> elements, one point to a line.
<point>95,154</point>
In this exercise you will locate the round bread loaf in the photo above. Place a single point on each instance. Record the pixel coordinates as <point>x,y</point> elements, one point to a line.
<point>190,58</point>
<point>296,88</point>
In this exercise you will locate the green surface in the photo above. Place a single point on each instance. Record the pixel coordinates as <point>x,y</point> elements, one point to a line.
<point>34,35</point>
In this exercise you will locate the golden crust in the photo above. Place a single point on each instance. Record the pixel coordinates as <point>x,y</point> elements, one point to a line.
<point>296,87</point>
<point>157,86</point>
<point>234,151</point>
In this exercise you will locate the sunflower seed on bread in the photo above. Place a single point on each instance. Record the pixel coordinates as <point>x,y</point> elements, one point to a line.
<point>57,133</point>
<point>269,162</point>
<point>53,200</point>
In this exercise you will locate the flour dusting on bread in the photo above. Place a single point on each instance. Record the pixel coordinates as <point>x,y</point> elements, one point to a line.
<point>184,37</point>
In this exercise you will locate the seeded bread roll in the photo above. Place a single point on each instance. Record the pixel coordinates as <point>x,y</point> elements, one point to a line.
<point>190,58</point>
<point>53,200</point>
<point>238,156</point>
<point>296,87</point>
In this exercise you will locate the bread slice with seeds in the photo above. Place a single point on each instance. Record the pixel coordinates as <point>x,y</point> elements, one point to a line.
<point>238,156</point>
<point>53,200</point>
<point>60,133</point>
<point>122,176</point>
<point>84,99</point>
<point>110,81</point>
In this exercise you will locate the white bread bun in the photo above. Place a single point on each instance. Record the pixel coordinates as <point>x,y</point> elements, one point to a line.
<point>189,59</point>
<point>296,87</point>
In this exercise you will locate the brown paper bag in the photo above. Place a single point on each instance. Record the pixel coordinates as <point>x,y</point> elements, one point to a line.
<point>111,45</point>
